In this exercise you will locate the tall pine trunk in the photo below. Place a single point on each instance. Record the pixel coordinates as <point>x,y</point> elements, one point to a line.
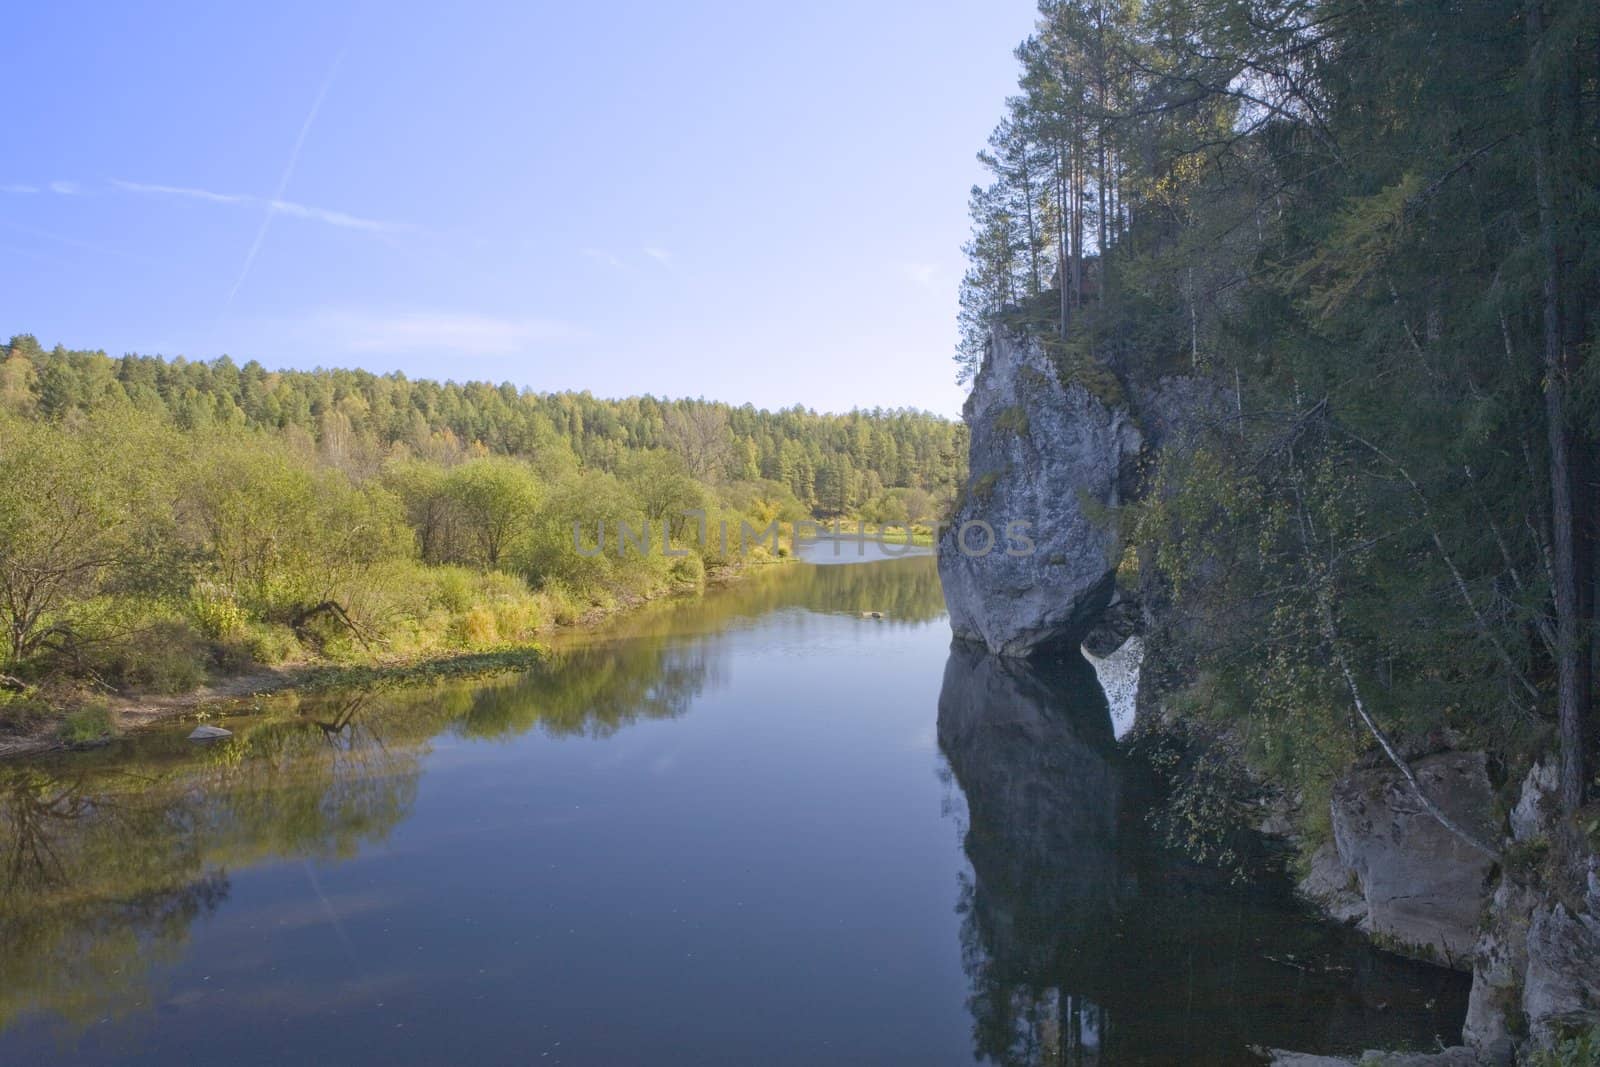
<point>1063,208</point>
<point>1572,696</point>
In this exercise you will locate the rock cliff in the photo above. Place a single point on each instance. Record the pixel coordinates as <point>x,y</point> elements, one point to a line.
<point>1029,563</point>
<point>1424,889</point>
<point>1030,558</point>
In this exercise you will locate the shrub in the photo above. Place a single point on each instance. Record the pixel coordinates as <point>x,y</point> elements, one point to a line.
<point>452,589</point>
<point>216,613</point>
<point>258,643</point>
<point>88,724</point>
<point>688,570</point>
<point>1579,1050</point>
<point>519,619</point>
<point>165,656</point>
<point>1013,420</point>
<point>20,711</point>
<point>560,606</point>
<point>476,629</point>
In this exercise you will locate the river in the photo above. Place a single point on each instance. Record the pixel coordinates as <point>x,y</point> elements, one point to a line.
<point>761,827</point>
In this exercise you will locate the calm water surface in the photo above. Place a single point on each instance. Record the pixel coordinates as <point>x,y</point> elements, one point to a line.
<point>752,829</point>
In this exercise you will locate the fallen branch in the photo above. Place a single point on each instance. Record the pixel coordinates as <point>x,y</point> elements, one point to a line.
<point>1455,828</point>
<point>331,607</point>
<point>1455,573</point>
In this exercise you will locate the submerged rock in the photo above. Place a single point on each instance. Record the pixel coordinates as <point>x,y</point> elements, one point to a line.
<point>209,733</point>
<point>1045,462</point>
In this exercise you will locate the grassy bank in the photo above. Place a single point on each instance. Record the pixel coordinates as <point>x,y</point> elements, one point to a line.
<point>893,534</point>
<point>481,635</point>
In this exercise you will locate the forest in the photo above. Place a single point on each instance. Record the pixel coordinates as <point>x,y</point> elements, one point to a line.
<point>163,521</point>
<point>1366,232</point>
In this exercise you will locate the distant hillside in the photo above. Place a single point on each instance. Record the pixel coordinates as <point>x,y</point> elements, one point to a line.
<point>832,463</point>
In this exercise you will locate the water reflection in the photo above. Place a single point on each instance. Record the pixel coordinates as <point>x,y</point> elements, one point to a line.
<point>108,857</point>
<point>904,591</point>
<point>766,858</point>
<point>1031,747</point>
<point>1083,945</point>
<point>100,880</point>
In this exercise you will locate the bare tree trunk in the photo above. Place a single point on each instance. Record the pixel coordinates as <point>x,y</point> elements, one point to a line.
<point>1455,828</point>
<point>1079,165</point>
<point>1063,209</point>
<point>1572,698</point>
<point>1100,127</point>
<point>1033,237</point>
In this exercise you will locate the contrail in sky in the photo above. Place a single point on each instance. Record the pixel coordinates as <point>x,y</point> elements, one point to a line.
<point>283,182</point>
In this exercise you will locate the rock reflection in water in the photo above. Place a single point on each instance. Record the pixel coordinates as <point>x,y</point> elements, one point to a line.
<point>1084,945</point>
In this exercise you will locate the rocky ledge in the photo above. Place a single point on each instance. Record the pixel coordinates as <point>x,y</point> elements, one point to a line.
<point>1530,935</point>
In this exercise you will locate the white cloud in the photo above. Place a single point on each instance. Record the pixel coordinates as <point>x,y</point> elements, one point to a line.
<point>924,275</point>
<point>660,255</point>
<point>180,190</point>
<point>65,188</point>
<point>341,219</point>
<point>464,333</point>
<point>19,188</point>
<point>337,218</point>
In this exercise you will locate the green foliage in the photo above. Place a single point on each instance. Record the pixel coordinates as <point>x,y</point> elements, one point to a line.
<point>20,711</point>
<point>1013,420</point>
<point>160,518</point>
<point>88,724</point>
<point>1578,1050</point>
<point>1380,266</point>
<point>145,653</point>
<point>983,486</point>
<point>1203,794</point>
<point>361,423</point>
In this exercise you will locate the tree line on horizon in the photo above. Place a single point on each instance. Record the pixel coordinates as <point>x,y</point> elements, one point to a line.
<point>1367,232</point>
<point>162,520</point>
<point>835,464</point>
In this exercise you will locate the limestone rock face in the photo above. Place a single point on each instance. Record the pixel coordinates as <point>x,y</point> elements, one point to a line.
<point>1536,804</point>
<point>1049,456</point>
<point>1499,967</point>
<point>1536,971</point>
<point>1424,887</point>
<point>1561,991</point>
<point>1333,887</point>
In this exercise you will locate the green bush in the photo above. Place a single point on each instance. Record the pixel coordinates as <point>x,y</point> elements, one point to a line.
<point>1579,1050</point>
<point>20,711</point>
<point>560,605</point>
<point>257,644</point>
<point>164,656</point>
<point>88,724</point>
<point>688,571</point>
<point>475,629</point>
<point>216,613</point>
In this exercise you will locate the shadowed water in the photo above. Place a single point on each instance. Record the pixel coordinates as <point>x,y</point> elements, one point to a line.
<point>752,828</point>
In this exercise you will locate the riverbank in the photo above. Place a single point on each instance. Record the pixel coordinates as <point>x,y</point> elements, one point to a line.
<point>74,718</point>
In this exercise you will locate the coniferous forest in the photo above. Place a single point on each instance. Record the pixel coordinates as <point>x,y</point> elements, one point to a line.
<point>1368,230</point>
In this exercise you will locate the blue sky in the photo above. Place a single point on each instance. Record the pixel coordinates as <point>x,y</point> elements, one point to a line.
<point>752,202</point>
